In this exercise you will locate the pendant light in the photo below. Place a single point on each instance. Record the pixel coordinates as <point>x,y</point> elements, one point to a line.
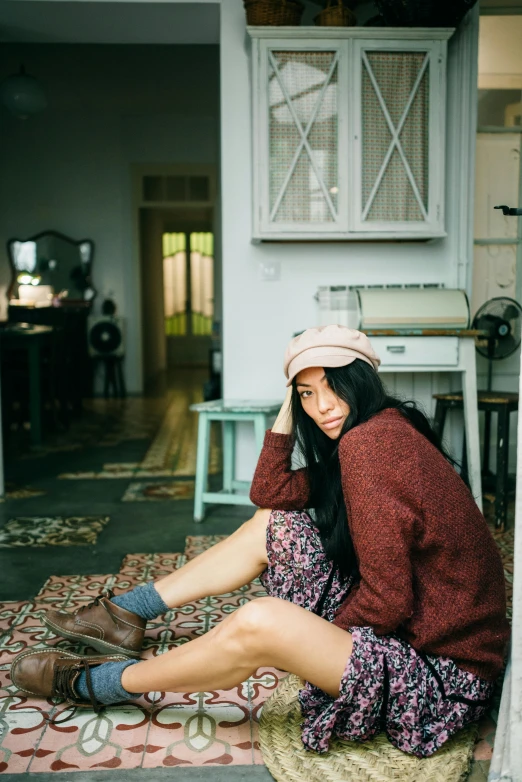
<point>22,94</point>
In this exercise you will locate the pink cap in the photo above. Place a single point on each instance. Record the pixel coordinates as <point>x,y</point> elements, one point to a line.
<point>327,346</point>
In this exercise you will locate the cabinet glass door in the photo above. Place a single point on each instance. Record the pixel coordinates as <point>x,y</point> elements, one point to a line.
<point>396,148</point>
<point>302,111</point>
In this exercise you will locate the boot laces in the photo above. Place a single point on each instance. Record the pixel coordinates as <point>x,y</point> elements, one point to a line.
<point>63,688</point>
<point>102,601</point>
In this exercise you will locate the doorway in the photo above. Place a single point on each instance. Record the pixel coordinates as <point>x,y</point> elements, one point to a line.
<point>188,294</point>
<point>177,289</point>
<point>179,280</point>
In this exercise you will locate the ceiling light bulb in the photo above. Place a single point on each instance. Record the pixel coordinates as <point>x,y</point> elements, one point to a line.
<point>22,94</point>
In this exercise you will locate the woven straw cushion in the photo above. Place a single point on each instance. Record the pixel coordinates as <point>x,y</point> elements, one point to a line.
<point>372,761</point>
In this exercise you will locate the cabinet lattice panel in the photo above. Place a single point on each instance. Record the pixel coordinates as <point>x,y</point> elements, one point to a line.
<point>349,133</point>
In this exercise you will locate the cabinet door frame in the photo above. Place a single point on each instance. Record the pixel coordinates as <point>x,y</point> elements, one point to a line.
<point>433,225</point>
<point>263,226</point>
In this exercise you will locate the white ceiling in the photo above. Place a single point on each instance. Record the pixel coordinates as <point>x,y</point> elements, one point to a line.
<point>39,21</point>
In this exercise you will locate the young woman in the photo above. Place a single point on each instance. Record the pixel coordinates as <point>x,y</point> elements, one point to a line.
<point>388,599</point>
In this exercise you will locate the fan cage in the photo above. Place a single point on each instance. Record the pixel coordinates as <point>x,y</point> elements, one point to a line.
<point>505,309</point>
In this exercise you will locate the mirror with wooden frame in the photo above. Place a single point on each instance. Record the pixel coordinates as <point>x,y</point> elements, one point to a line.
<point>51,269</point>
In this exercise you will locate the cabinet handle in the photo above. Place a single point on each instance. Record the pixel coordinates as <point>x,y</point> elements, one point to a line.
<point>396,348</point>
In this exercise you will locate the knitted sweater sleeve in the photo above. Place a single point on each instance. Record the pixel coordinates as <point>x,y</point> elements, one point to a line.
<point>275,484</point>
<point>379,477</point>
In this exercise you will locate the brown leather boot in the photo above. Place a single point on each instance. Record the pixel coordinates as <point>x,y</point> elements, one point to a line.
<point>52,673</point>
<point>100,624</point>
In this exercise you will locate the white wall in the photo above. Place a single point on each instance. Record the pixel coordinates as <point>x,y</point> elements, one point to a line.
<point>69,168</point>
<point>500,52</point>
<point>261,317</point>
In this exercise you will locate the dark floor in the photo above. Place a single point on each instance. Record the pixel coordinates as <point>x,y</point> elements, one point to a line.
<point>144,527</point>
<point>133,527</point>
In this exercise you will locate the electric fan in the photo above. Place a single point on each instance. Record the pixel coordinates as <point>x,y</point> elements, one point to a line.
<point>501,319</point>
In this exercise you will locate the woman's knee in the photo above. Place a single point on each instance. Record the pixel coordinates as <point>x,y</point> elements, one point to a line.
<point>253,623</point>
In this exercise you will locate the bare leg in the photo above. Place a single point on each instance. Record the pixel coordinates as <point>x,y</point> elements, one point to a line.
<point>227,566</point>
<point>267,631</point>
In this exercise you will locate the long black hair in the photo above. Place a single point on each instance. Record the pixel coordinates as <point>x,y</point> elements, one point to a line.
<point>359,385</point>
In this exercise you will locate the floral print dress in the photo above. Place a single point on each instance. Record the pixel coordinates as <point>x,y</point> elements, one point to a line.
<point>419,700</point>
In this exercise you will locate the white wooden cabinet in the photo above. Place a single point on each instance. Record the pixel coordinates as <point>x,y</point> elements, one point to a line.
<point>348,132</point>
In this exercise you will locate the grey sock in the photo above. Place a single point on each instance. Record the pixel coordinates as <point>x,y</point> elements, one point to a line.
<point>142,600</point>
<point>106,683</point>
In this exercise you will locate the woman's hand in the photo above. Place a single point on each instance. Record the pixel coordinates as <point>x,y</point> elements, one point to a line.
<point>283,422</point>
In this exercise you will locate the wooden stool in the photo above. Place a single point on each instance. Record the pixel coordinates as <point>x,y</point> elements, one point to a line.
<point>230,413</point>
<point>503,404</point>
<point>113,379</point>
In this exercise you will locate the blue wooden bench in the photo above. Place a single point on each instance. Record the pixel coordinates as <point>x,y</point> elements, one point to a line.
<point>230,413</point>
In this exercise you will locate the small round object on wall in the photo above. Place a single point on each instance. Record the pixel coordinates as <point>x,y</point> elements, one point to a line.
<point>22,94</point>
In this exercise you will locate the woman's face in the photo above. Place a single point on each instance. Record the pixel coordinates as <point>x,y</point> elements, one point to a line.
<point>320,403</point>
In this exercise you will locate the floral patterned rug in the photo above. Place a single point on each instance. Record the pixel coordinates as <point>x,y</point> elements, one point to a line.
<point>14,492</point>
<point>173,490</point>
<point>38,531</point>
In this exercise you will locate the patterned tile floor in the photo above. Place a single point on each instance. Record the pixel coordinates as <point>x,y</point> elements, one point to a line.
<point>139,440</point>
<point>158,730</point>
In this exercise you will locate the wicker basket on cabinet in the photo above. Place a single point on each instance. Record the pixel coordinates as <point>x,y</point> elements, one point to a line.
<point>336,14</point>
<point>273,12</point>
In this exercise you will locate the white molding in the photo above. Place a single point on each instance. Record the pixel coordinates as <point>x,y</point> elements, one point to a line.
<point>461,141</point>
<point>339,33</point>
<point>309,235</point>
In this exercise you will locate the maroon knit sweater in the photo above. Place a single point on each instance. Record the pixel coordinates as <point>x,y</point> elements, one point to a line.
<point>429,568</point>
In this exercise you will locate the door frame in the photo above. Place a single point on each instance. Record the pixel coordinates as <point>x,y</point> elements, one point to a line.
<point>137,172</point>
